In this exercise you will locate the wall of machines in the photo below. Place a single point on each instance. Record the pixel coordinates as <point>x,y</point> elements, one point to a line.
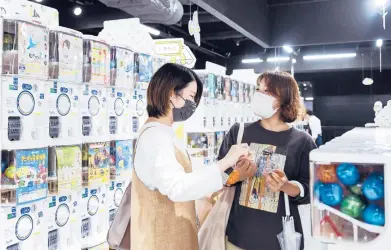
<point>225,101</point>
<point>70,107</point>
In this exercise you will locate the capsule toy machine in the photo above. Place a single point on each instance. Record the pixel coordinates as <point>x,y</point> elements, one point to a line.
<point>25,47</point>
<point>143,69</point>
<point>93,113</point>
<point>24,102</point>
<point>23,199</point>
<point>121,165</point>
<point>235,85</point>
<point>349,197</point>
<point>211,102</point>
<point>228,103</point>
<point>96,61</point>
<point>94,206</point>
<point>64,197</point>
<point>220,101</point>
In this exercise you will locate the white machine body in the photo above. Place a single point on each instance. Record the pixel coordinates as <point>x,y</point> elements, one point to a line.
<point>119,113</point>
<point>24,113</point>
<point>93,113</point>
<point>63,119</point>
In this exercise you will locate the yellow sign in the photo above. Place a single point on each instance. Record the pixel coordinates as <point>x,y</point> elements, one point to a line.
<point>176,51</point>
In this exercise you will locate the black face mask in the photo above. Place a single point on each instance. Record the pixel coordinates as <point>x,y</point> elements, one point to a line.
<point>184,113</point>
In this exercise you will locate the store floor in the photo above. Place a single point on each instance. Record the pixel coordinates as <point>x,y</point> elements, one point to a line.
<point>309,243</point>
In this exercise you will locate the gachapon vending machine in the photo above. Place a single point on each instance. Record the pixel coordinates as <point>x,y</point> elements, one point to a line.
<point>64,197</point>
<point>23,199</point>
<point>121,155</point>
<point>94,207</point>
<point>349,190</point>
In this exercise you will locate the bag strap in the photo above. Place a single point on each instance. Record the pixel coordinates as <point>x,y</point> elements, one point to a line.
<point>240,133</point>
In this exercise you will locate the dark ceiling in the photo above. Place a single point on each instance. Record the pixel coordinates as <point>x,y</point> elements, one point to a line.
<point>233,29</point>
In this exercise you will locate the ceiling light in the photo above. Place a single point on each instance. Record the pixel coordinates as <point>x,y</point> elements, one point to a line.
<point>77,11</point>
<point>293,60</point>
<point>309,98</point>
<point>367,81</point>
<point>237,43</point>
<point>278,59</point>
<point>287,48</point>
<point>379,43</point>
<point>152,31</point>
<point>329,56</point>
<point>380,2</point>
<point>38,1</point>
<point>252,60</point>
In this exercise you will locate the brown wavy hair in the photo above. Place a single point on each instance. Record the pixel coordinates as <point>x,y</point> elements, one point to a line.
<point>284,87</point>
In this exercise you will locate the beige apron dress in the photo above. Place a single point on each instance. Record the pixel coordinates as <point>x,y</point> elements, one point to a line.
<point>159,223</point>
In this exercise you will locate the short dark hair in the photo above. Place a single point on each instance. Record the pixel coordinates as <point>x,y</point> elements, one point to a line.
<point>284,87</point>
<point>309,112</point>
<point>168,79</point>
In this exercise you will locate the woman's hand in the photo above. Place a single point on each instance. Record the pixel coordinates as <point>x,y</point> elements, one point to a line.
<point>233,156</point>
<point>276,180</point>
<point>243,170</point>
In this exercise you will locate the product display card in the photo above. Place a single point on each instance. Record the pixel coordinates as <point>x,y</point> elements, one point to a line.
<point>70,51</point>
<point>31,175</point>
<point>33,50</point>
<point>69,168</point>
<point>96,169</point>
<point>100,63</point>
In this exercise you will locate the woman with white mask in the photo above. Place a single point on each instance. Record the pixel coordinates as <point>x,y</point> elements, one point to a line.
<point>281,154</point>
<point>164,186</point>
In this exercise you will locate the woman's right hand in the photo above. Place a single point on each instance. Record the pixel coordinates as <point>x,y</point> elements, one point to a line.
<point>233,156</point>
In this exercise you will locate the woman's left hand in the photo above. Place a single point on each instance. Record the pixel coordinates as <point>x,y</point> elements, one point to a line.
<point>276,180</point>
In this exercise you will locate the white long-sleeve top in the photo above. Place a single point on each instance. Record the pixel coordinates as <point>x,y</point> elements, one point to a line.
<point>315,126</point>
<point>157,167</point>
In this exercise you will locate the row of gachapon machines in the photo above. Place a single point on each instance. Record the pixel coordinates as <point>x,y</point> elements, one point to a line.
<point>36,113</point>
<point>34,51</point>
<point>61,197</point>
<point>219,115</point>
<point>226,88</point>
<point>349,183</point>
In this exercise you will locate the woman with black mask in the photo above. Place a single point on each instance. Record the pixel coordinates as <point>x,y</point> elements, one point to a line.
<point>164,187</point>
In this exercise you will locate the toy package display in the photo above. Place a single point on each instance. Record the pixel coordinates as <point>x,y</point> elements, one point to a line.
<point>65,184</point>
<point>220,87</point>
<point>24,199</point>
<point>212,86</point>
<point>121,67</point>
<point>121,155</point>
<point>65,55</point>
<point>25,49</point>
<point>235,90</point>
<point>143,69</point>
<point>241,92</point>
<point>227,89</point>
<point>95,177</point>
<point>96,60</point>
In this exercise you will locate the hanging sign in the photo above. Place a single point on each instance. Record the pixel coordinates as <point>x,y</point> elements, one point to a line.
<point>195,29</point>
<point>175,51</point>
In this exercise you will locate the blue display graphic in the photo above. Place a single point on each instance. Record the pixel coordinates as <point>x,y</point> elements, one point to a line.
<point>31,175</point>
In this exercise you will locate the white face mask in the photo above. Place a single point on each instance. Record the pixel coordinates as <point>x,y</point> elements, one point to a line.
<point>262,105</point>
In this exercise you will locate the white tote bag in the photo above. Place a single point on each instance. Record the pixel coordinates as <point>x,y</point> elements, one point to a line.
<point>211,235</point>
